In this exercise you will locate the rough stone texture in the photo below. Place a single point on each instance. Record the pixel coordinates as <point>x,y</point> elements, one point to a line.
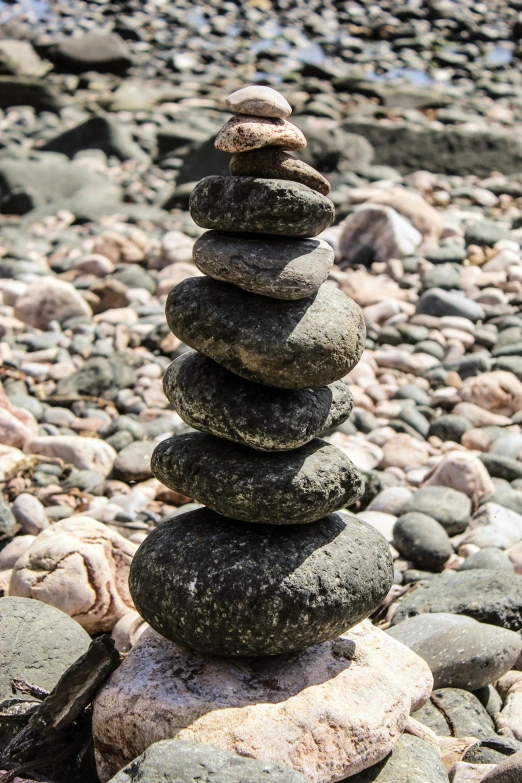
<point>228,588</point>
<point>50,300</point>
<point>265,206</point>
<point>282,488</point>
<point>37,643</point>
<point>243,133</point>
<point>508,771</point>
<point>376,233</point>
<point>80,566</point>
<point>412,760</point>
<point>260,101</point>
<point>273,266</point>
<point>182,761</point>
<point>309,342</point>
<point>460,652</point>
<point>423,540</point>
<point>452,509</point>
<point>214,400</point>
<point>275,163</point>
<point>328,712</point>
<point>488,596</point>
<point>468,714</point>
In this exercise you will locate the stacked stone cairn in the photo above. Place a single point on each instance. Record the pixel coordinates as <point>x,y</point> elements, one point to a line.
<point>265,566</point>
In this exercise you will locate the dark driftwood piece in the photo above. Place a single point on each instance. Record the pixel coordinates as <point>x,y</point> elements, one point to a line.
<point>56,734</point>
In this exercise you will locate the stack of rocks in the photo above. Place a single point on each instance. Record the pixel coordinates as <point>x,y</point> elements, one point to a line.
<point>266,567</point>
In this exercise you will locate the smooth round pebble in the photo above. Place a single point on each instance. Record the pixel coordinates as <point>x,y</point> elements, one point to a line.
<point>260,101</point>
<point>423,540</point>
<point>275,163</point>
<point>242,133</point>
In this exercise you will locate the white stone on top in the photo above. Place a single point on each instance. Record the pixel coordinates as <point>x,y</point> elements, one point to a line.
<point>259,101</point>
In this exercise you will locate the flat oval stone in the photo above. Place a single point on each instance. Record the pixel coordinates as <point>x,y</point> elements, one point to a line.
<point>423,540</point>
<point>290,345</point>
<point>260,101</point>
<point>214,400</point>
<point>275,163</point>
<point>264,206</point>
<point>228,588</point>
<point>243,133</point>
<point>280,488</point>
<point>279,267</point>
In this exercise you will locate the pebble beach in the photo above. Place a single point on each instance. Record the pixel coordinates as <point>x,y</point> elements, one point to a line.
<point>305,300</point>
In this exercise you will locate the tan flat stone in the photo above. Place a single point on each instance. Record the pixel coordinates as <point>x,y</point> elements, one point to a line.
<point>260,101</point>
<point>244,133</point>
<point>327,712</point>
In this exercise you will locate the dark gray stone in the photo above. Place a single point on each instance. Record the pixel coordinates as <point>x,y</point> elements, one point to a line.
<point>101,133</point>
<point>460,652</point>
<point>290,345</point>
<point>445,254</point>
<point>412,760</point>
<point>467,713</point>
<point>411,392</point>
<point>228,588</point>
<point>438,302</point>
<point>488,596</point>
<point>271,266</point>
<point>502,467</point>
<point>489,557</point>
<point>28,91</point>
<point>280,488</point>
<point>182,761</point>
<point>214,400</point>
<point>98,377</point>
<point>37,643</point>
<point>448,506</point>
<point>508,771</point>
<point>449,427</point>
<point>492,750</point>
<point>275,163</point>
<point>93,51</point>
<point>133,463</point>
<point>423,540</point>
<point>266,206</point>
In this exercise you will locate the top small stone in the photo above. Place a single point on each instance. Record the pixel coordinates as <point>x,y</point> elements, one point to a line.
<point>259,102</point>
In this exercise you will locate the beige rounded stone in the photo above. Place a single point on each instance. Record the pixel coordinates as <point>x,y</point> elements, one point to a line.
<point>260,101</point>
<point>327,712</point>
<point>80,566</point>
<point>243,133</point>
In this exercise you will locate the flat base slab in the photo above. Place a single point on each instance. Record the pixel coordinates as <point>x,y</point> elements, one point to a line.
<point>328,712</point>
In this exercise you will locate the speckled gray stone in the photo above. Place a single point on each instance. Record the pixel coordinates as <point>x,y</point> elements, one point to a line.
<point>279,267</point>
<point>281,488</point>
<point>308,342</point>
<point>412,760</point>
<point>460,652</point>
<point>38,643</point>
<point>488,596</point>
<point>423,540</point>
<point>265,206</point>
<point>214,400</point>
<point>182,761</point>
<point>230,588</point>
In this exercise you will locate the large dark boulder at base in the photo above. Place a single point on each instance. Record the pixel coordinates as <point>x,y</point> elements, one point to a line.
<point>182,761</point>
<point>229,588</point>
<point>290,345</point>
<point>266,206</point>
<point>214,400</point>
<point>456,150</point>
<point>281,488</point>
